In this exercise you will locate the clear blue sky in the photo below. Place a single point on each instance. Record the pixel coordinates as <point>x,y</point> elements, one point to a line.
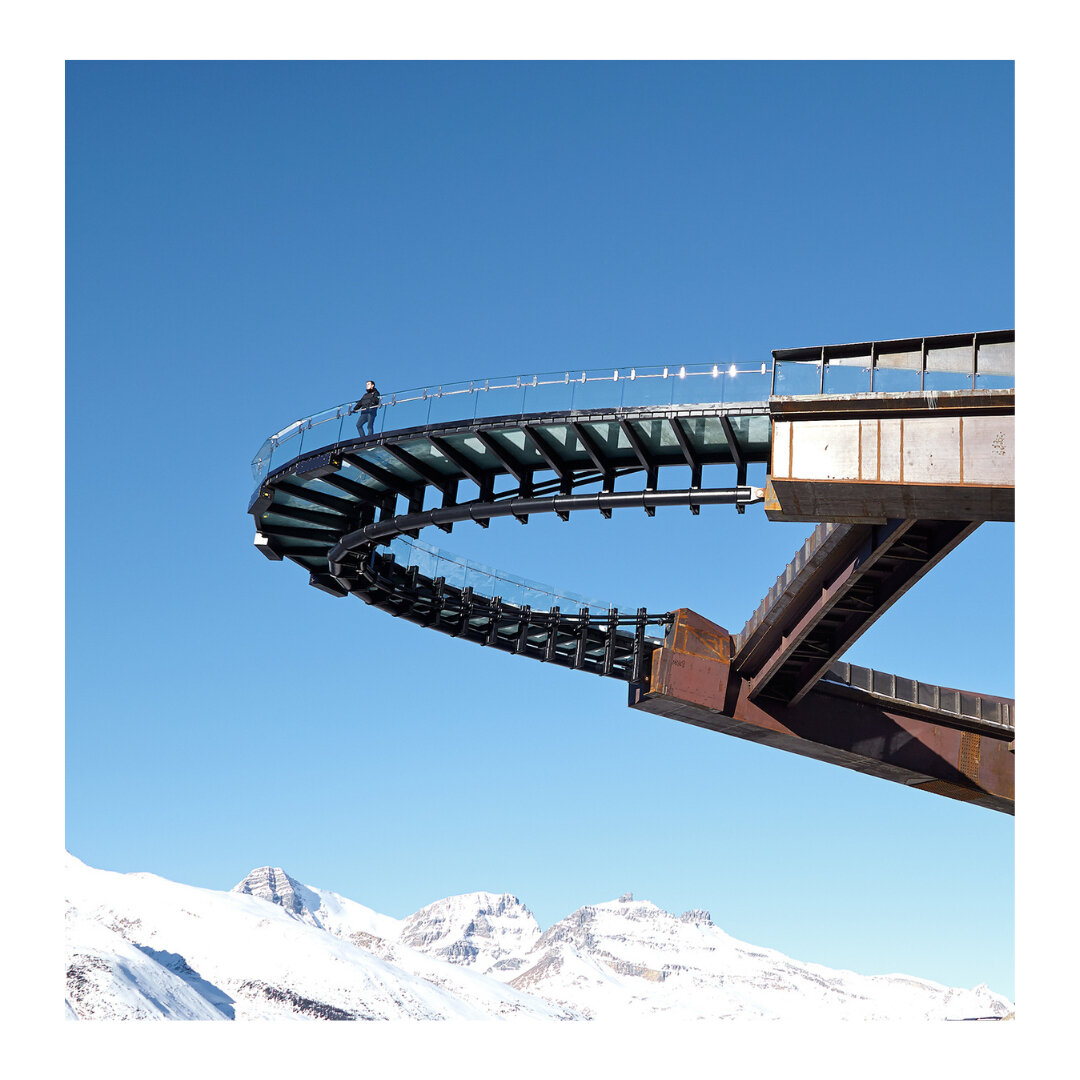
<point>248,243</point>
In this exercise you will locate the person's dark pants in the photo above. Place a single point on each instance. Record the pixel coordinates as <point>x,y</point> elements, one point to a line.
<point>367,418</point>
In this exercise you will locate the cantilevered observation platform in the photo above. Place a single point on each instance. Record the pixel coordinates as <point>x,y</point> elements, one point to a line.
<point>900,449</point>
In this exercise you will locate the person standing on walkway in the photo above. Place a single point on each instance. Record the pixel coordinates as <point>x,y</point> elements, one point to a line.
<point>367,406</point>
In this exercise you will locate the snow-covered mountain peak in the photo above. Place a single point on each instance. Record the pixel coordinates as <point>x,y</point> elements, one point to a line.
<point>488,931</point>
<point>273,884</point>
<point>140,946</point>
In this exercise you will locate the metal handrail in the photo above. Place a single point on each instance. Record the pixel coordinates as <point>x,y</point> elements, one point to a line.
<point>670,375</point>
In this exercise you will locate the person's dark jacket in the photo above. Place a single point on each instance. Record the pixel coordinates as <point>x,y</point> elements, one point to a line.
<point>369,401</point>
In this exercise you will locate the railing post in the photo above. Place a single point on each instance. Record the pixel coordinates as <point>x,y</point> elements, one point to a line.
<point>523,629</point>
<point>583,633</point>
<point>553,634</point>
<point>639,647</point>
<point>609,642</point>
<point>466,611</point>
<point>496,614</point>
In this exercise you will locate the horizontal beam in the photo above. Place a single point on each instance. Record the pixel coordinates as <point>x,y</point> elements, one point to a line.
<point>385,530</point>
<point>692,680</point>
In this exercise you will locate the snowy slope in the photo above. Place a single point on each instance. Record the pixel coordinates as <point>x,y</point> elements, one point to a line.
<point>629,957</point>
<point>142,947</point>
<point>108,978</point>
<point>326,910</point>
<point>250,958</point>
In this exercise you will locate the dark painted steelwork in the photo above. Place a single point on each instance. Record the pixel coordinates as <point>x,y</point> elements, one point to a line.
<point>353,499</point>
<point>614,645</point>
<point>382,531</point>
<point>779,681</point>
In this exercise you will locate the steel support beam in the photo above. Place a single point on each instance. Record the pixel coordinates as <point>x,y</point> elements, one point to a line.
<point>840,583</point>
<point>692,680</point>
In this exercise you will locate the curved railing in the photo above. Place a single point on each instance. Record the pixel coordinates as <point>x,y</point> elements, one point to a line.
<point>944,363</point>
<point>515,395</point>
<point>351,540</point>
<point>464,573</point>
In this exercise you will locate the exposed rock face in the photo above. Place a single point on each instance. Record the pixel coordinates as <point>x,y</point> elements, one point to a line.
<point>141,947</point>
<point>487,931</point>
<point>273,884</point>
<point>696,916</point>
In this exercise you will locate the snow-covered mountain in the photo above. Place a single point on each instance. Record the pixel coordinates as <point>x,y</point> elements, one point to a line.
<point>492,934</point>
<point>184,952</point>
<point>142,947</point>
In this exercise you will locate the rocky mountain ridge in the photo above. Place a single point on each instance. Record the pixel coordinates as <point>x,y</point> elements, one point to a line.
<point>143,947</point>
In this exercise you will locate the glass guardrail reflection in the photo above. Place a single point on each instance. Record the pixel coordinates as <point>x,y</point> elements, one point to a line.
<point>940,369</point>
<point>517,395</point>
<point>463,573</point>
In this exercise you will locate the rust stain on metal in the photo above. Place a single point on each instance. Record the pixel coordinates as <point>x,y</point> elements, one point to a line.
<point>693,681</point>
<point>970,754</point>
<point>951,791</point>
<point>696,640</point>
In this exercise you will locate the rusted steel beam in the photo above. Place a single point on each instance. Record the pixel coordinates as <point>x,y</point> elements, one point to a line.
<point>839,584</point>
<point>692,680</point>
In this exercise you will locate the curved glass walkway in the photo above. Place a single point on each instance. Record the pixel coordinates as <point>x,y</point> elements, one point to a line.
<point>348,507</point>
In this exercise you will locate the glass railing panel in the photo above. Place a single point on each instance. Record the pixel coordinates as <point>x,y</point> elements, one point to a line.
<point>508,589</point>
<point>547,393</point>
<point>994,382</point>
<point>797,377</point>
<point>260,464</point>
<point>949,368</point>
<point>956,359</point>
<point>594,390</point>
<point>847,375</point>
<point>995,366</point>
<point>896,380</point>
<point>996,358</point>
<point>753,384</point>
<point>452,401</point>
<point>491,582</point>
<point>405,410</point>
<point>697,384</point>
<point>354,426</point>
<point>501,396</point>
<point>906,357</point>
<point>321,431</point>
<point>286,446</point>
<point>451,570</point>
<point>645,386</point>
<point>948,380</point>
